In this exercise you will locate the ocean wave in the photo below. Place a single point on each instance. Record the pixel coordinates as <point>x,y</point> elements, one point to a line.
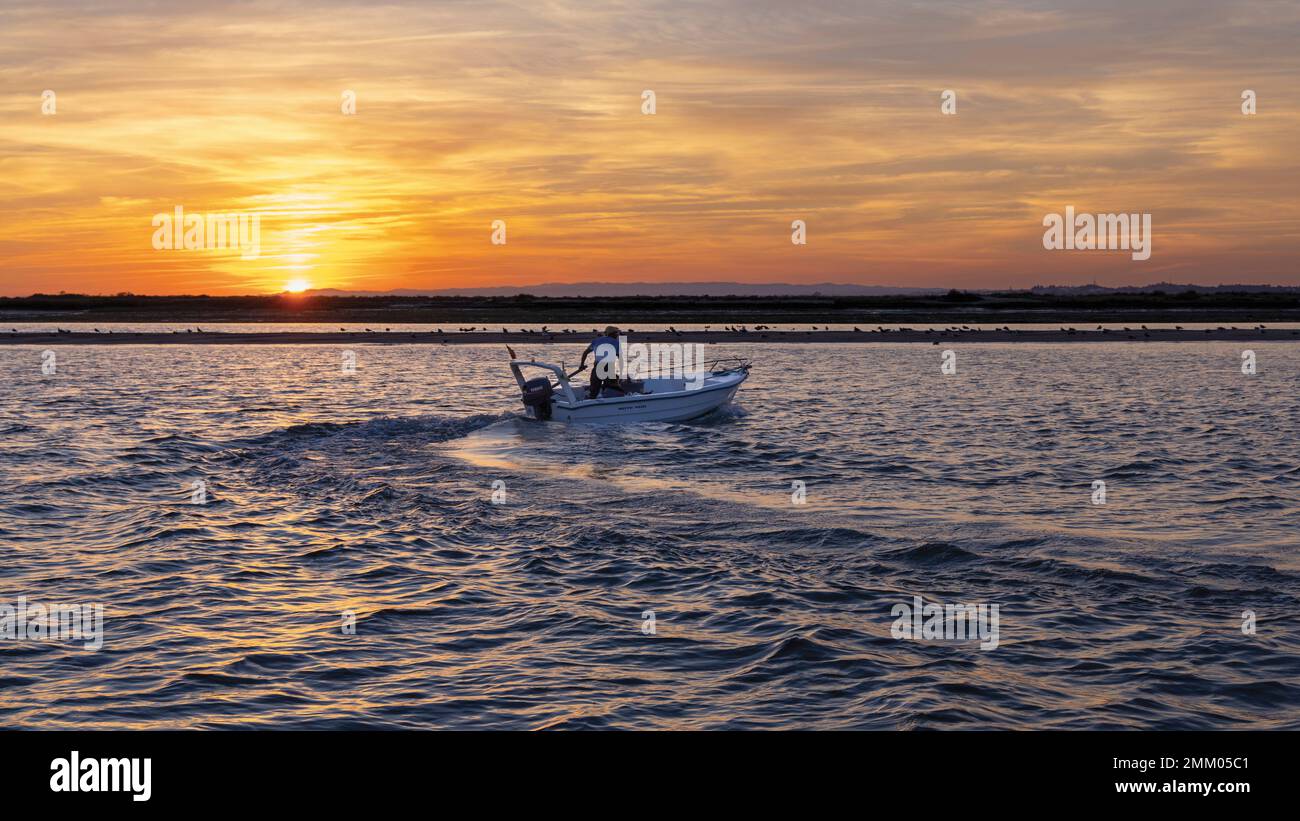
<point>395,550</point>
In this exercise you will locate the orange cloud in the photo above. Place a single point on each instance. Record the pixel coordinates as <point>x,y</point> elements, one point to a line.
<point>471,113</point>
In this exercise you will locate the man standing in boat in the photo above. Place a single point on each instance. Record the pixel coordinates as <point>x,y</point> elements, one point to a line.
<point>604,373</point>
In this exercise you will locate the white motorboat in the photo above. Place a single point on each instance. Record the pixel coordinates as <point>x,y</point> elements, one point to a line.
<point>643,400</point>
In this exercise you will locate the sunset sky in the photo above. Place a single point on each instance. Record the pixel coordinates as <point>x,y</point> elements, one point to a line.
<point>530,112</point>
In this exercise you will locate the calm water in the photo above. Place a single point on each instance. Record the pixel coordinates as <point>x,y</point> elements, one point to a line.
<point>370,493</point>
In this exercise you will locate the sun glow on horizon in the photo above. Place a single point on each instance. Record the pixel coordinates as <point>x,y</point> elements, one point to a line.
<point>297,285</point>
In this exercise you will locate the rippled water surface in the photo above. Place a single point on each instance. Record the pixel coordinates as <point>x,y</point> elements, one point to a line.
<point>371,493</point>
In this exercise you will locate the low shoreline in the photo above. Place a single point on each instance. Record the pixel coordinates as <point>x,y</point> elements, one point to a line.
<point>864,336</point>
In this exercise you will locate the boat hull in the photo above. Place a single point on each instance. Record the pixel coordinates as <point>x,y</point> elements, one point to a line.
<point>656,399</point>
<point>674,408</point>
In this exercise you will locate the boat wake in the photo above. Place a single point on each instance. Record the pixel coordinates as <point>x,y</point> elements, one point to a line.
<point>431,428</point>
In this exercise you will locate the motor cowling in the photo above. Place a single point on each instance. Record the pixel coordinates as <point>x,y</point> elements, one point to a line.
<point>537,395</point>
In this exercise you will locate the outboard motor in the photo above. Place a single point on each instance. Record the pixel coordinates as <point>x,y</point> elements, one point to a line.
<point>537,395</point>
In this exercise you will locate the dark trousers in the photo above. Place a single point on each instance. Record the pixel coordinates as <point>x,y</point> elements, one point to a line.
<point>593,390</point>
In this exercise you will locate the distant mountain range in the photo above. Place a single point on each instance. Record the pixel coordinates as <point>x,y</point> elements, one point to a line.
<point>567,289</point>
<point>631,289</point>
<point>1166,287</point>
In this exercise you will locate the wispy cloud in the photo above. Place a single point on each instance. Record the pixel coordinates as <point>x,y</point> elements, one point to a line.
<point>530,113</point>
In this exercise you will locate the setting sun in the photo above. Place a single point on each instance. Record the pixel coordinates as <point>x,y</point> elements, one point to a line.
<point>297,286</point>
